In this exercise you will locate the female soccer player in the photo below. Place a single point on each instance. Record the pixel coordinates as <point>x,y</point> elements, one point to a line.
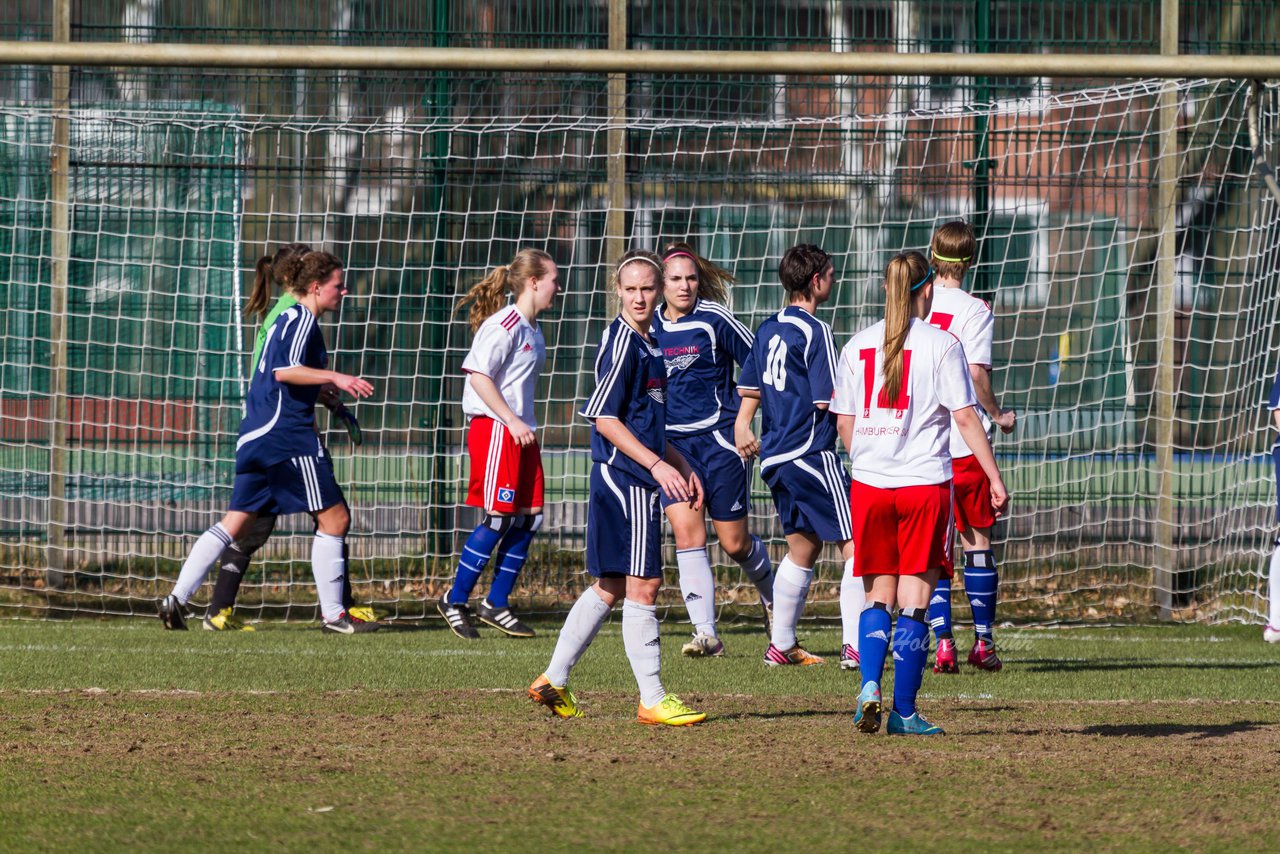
<point>281,464</point>
<point>280,270</point>
<point>631,462</point>
<point>702,342</point>
<point>790,374</point>
<point>502,370</point>
<point>969,319</point>
<point>1271,632</point>
<point>900,383</point>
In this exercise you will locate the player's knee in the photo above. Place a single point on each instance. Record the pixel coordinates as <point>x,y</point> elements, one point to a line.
<point>531,522</point>
<point>737,546</point>
<point>335,521</point>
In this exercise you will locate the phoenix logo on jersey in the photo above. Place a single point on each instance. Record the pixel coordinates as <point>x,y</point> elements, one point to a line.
<point>680,358</point>
<point>656,389</point>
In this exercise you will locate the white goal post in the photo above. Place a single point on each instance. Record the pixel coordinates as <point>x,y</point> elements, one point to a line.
<point>1130,248</point>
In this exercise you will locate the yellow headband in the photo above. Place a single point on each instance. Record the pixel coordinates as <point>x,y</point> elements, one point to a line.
<point>964,260</point>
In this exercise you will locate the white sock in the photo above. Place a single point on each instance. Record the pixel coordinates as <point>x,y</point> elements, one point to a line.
<point>1274,590</point>
<point>640,637</point>
<point>790,589</point>
<point>329,568</point>
<point>197,565</point>
<point>698,589</point>
<point>757,567</point>
<point>585,619</point>
<point>853,598</point>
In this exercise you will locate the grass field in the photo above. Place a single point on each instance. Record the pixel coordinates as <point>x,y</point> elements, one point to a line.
<point>118,735</point>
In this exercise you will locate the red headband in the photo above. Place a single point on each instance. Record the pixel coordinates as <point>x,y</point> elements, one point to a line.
<point>677,254</point>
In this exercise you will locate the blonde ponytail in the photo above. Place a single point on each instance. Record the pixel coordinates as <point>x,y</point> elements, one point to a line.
<point>488,296</point>
<point>906,272</point>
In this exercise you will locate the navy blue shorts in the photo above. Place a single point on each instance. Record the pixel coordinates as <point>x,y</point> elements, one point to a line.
<point>299,485</point>
<point>725,475</point>
<point>624,525</point>
<point>811,494</point>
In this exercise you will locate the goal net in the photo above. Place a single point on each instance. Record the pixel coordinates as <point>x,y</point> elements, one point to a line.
<point>173,202</point>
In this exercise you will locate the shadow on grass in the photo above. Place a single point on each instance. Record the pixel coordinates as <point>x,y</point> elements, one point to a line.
<point>1199,731</point>
<point>1052,665</point>
<point>801,713</point>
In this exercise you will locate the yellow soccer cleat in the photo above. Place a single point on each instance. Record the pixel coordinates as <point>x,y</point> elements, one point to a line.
<point>671,711</point>
<point>226,621</point>
<point>365,613</point>
<point>560,701</point>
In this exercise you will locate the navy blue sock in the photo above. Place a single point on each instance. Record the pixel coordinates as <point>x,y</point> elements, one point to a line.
<point>980,584</point>
<point>512,554</point>
<point>475,554</point>
<point>940,609</point>
<point>910,651</point>
<point>874,626</point>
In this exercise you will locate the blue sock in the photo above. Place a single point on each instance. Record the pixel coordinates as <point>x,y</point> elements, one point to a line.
<point>512,554</point>
<point>910,651</point>
<point>940,609</point>
<point>874,626</point>
<point>980,584</point>
<point>475,554</point>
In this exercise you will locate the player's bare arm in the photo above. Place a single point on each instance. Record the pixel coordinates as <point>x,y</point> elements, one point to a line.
<point>487,389</point>
<point>669,478</point>
<point>744,438</point>
<point>1005,419</point>
<point>844,427</point>
<point>970,426</point>
<point>302,375</point>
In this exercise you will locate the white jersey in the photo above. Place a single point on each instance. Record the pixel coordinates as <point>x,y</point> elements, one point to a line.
<point>509,350</point>
<point>902,442</point>
<point>971,320</point>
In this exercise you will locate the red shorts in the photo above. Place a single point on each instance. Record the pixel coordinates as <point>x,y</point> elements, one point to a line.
<point>972,492</point>
<point>902,531</point>
<point>504,476</point>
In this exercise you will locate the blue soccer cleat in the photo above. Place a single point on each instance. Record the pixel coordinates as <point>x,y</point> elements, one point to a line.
<point>914,725</point>
<point>867,717</point>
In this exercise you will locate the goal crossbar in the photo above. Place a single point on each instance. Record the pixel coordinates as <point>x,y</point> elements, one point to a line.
<point>125,54</point>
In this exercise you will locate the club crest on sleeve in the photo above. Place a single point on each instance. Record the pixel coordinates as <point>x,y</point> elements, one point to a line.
<point>506,495</point>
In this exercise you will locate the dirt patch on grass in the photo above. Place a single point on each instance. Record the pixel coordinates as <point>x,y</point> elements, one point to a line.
<point>409,769</point>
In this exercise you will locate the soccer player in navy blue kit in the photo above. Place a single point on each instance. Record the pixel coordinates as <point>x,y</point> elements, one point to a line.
<point>1271,632</point>
<point>281,464</point>
<point>631,462</point>
<point>790,371</point>
<point>703,343</point>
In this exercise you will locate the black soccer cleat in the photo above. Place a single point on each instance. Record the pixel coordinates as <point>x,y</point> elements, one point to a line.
<point>349,625</point>
<point>503,620</point>
<point>459,619</point>
<point>170,611</point>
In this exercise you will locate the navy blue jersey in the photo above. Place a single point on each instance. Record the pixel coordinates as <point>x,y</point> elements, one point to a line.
<point>701,350</point>
<point>791,364</point>
<point>631,384</point>
<point>279,418</point>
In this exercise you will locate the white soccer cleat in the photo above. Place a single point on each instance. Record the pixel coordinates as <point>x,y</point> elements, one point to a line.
<point>1271,634</point>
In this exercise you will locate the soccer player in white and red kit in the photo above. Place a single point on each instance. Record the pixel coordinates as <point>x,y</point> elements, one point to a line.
<point>899,383</point>
<point>502,367</point>
<point>970,319</point>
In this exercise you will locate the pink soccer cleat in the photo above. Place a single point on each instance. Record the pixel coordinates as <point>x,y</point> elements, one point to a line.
<point>983,656</point>
<point>945,659</point>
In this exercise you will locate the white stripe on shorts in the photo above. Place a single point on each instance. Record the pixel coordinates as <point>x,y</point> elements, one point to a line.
<point>491,466</point>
